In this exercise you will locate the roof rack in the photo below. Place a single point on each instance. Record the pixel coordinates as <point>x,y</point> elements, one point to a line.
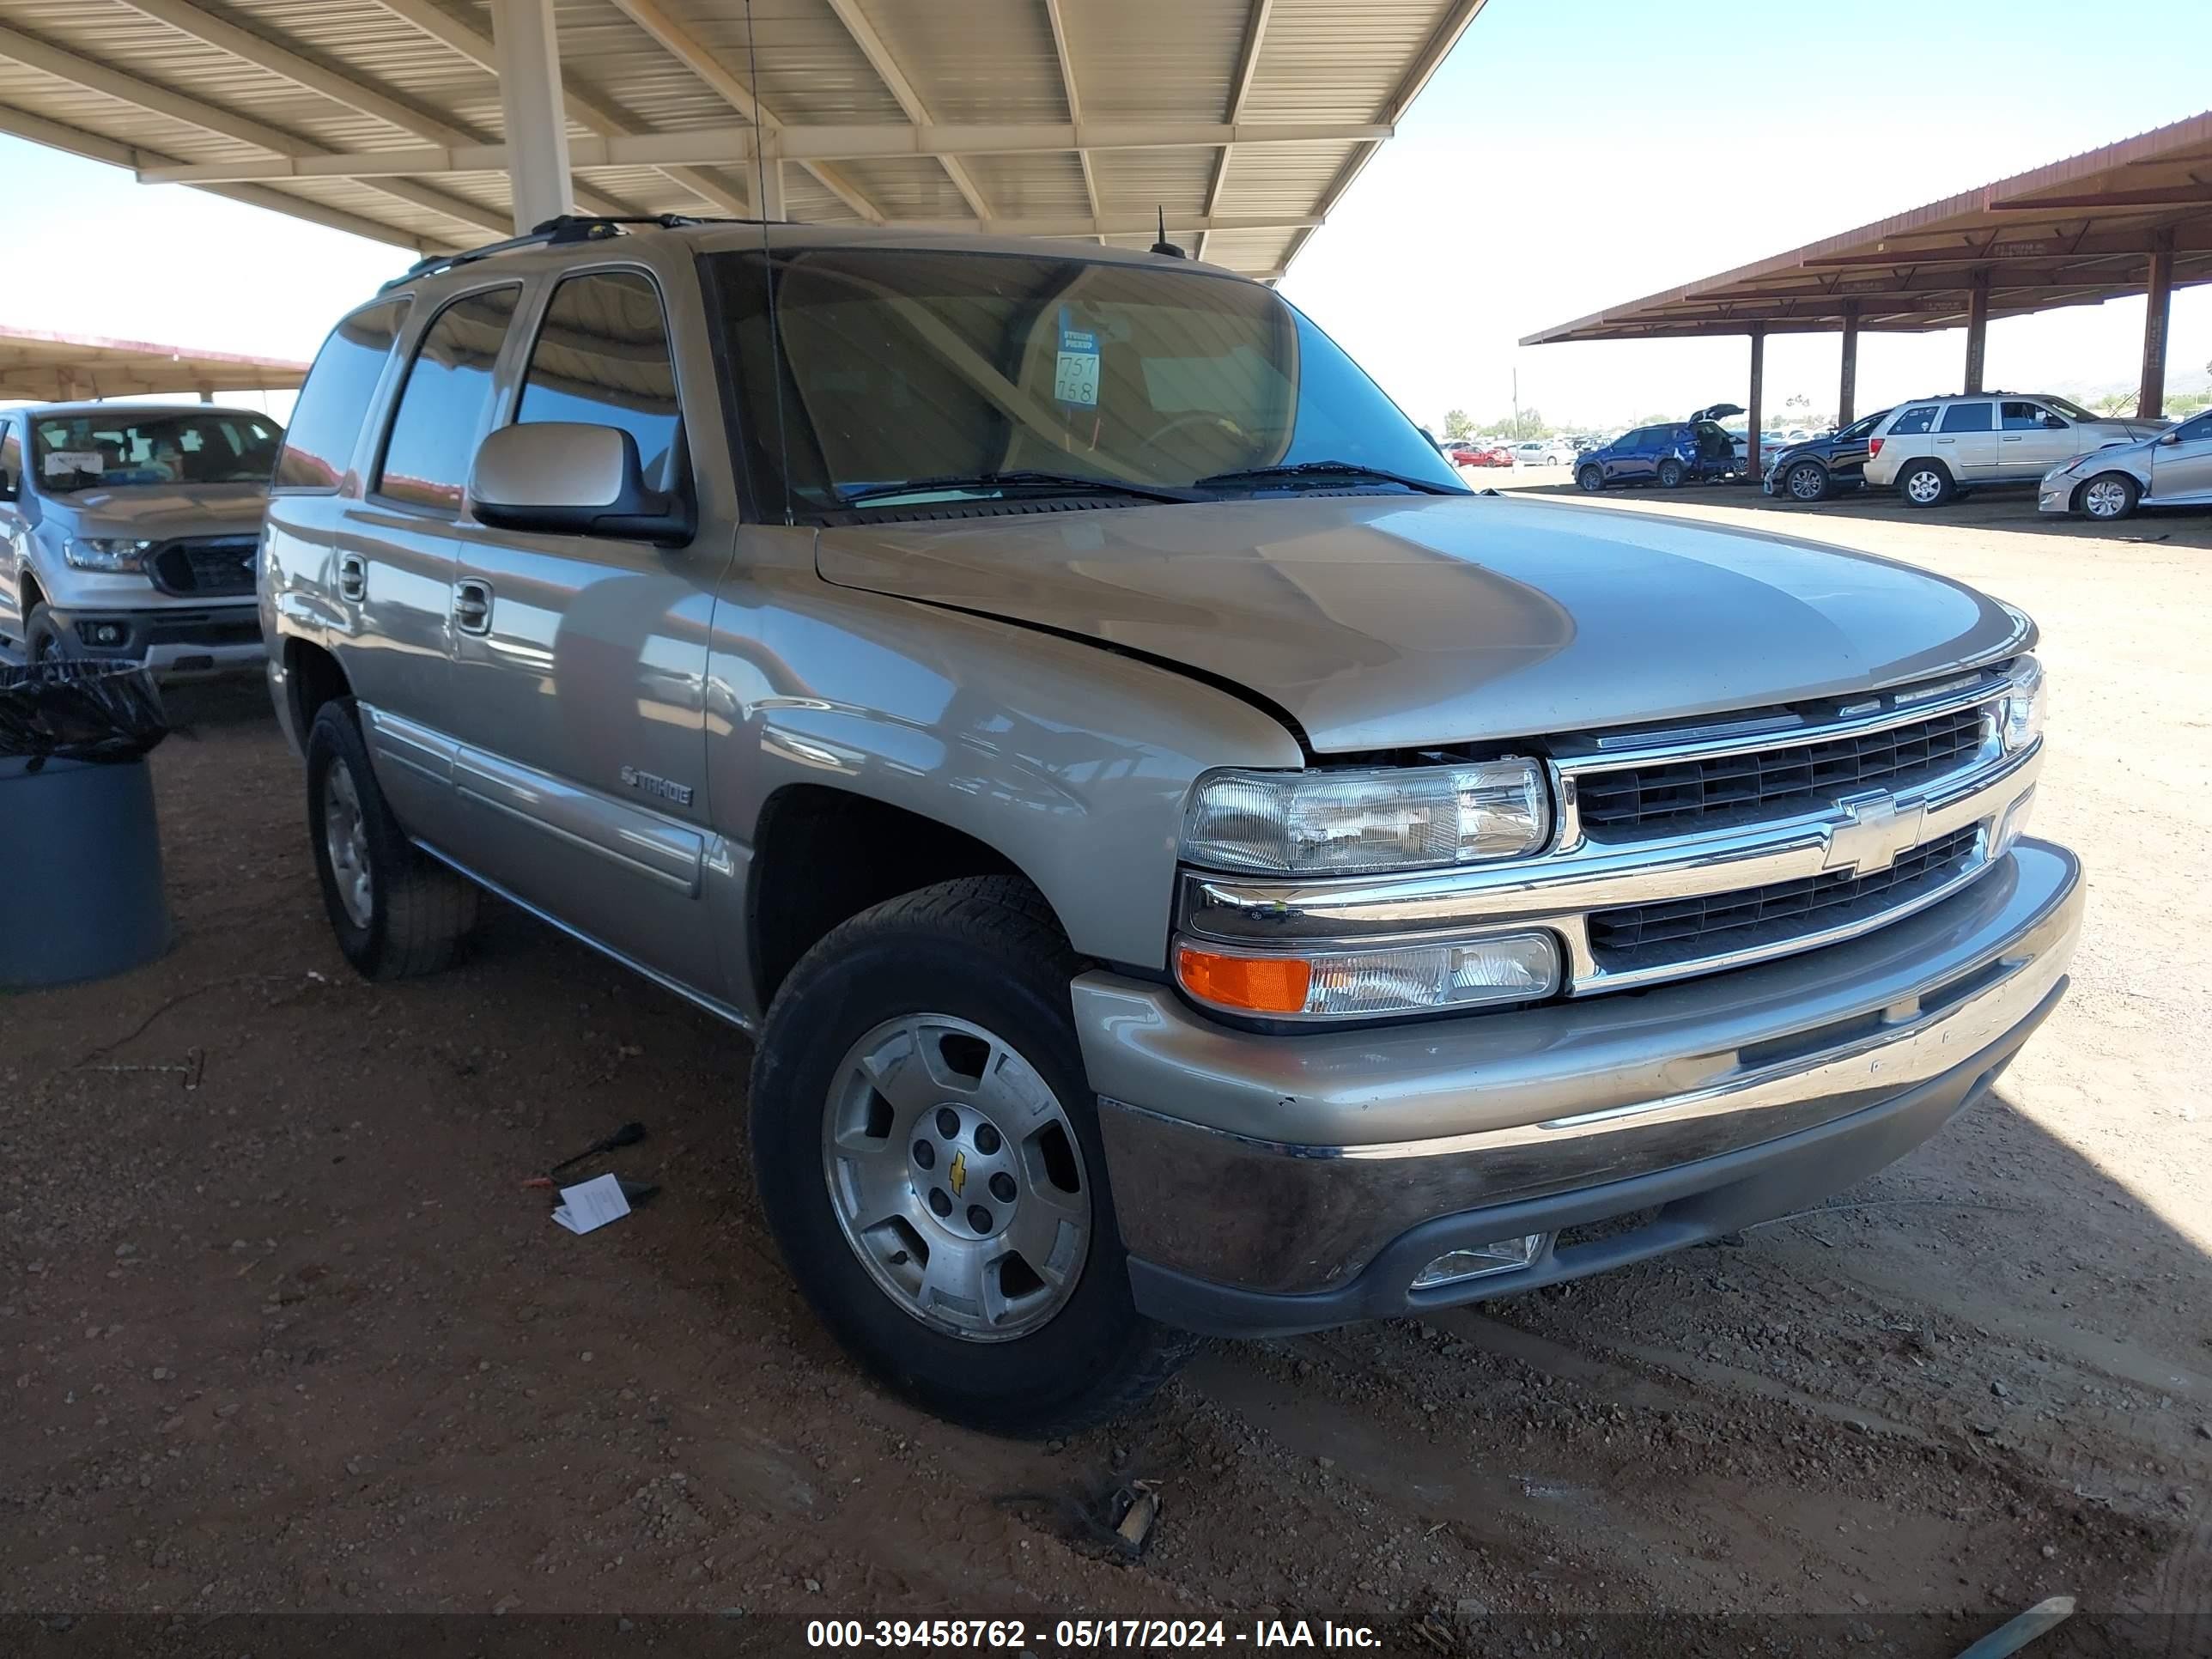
<point>554,233</point>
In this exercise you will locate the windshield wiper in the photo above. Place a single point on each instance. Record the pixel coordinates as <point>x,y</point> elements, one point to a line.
<point>1323,472</point>
<point>1023,479</point>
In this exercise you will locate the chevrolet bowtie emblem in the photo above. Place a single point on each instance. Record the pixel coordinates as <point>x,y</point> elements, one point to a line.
<point>957,1175</point>
<point>1875,831</point>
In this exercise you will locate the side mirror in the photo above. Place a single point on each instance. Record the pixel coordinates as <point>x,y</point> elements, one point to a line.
<point>2054,422</point>
<point>567,479</point>
<point>2173,437</point>
<point>6,486</point>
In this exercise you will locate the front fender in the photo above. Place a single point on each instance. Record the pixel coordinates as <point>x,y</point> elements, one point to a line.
<point>1069,761</point>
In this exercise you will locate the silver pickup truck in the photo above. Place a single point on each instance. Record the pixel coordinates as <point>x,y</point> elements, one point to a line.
<point>1188,864</point>
<point>127,533</point>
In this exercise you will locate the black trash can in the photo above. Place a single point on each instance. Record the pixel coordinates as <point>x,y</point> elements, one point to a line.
<point>80,893</point>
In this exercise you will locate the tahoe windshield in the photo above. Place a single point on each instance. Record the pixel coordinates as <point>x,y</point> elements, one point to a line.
<point>913,378</point>
<point>107,448</point>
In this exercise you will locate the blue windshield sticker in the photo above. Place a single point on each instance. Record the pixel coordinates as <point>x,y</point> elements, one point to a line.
<point>1075,378</point>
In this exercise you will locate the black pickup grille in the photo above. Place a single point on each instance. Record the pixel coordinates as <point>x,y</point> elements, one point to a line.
<point>217,566</point>
<point>1662,797</point>
<point>1685,930</point>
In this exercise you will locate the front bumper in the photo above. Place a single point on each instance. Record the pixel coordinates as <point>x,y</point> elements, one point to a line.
<point>1271,1184</point>
<point>172,640</point>
<point>2056,494</point>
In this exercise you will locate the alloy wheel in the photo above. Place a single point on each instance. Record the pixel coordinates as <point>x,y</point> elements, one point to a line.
<point>1924,487</point>
<point>1805,482</point>
<point>345,841</point>
<point>957,1177</point>
<point>2105,499</point>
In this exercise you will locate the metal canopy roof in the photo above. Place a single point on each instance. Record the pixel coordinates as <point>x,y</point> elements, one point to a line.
<point>1243,119</point>
<point>2075,233</point>
<point>52,367</point>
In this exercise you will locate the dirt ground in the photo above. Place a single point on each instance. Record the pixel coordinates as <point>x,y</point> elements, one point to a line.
<point>282,1332</point>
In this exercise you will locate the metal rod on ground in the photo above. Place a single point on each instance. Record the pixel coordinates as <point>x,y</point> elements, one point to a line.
<point>2016,1634</point>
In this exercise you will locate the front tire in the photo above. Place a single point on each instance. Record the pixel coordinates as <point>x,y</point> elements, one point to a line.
<point>1670,474</point>
<point>2109,497</point>
<point>1808,482</point>
<point>1591,480</point>
<point>397,912</point>
<point>926,1147</point>
<point>1925,484</point>
<point>42,640</point>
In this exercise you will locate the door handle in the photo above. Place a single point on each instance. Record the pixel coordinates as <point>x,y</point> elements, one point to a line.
<point>353,576</point>
<point>2009,440</point>
<point>472,607</point>
<point>1946,440</point>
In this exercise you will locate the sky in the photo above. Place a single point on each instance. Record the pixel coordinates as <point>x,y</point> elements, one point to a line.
<point>1565,158</point>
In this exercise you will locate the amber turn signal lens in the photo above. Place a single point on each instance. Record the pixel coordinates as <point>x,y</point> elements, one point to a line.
<point>1262,985</point>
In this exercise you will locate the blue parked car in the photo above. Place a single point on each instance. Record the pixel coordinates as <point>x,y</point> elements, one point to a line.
<point>1671,455</point>
<point>1813,471</point>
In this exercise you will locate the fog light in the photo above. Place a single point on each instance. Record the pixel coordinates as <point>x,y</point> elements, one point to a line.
<point>1480,1261</point>
<point>102,633</point>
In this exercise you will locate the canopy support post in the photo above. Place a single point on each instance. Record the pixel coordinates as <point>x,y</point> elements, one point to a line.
<point>529,56</point>
<point>1751,413</point>
<point>1847,391</point>
<point>2150,401</point>
<point>1977,327</point>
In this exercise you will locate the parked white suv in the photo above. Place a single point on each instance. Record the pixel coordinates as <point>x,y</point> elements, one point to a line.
<point>1930,448</point>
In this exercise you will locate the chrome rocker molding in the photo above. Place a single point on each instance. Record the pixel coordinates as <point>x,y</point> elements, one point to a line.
<point>1559,889</point>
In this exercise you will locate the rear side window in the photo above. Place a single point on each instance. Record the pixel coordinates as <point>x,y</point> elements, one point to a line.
<point>443,403</point>
<point>1913,421</point>
<point>327,417</point>
<point>1966,417</point>
<point>602,357</point>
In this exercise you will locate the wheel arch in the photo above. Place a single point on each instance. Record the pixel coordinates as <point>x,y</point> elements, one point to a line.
<point>821,855</point>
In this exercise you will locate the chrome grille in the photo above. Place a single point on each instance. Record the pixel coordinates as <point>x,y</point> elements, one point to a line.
<point>1681,930</point>
<point>1672,796</point>
<point>217,565</point>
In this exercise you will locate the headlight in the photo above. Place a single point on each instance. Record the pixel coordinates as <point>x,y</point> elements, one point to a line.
<point>1387,818</point>
<point>1353,984</point>
<point>104,553</point>
<point>2021,714</point>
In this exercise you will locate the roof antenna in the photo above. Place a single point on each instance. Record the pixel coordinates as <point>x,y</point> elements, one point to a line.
<point>1164,245</point>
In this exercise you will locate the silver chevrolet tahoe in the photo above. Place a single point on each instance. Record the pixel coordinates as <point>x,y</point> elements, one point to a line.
<point>1189,866</point>
<point>127,533</point>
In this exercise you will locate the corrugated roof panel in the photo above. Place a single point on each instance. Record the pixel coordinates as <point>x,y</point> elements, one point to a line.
<point>970,62</point>
<point>1031,185</point>
<point>1248,250</point>
<point>1139,180</point>
<point>974,60</point>
<point>1285,178</point>
<point>910,188</point>
<point>810,69</point>
<point>1322,61</point>
<point>1173,60</point>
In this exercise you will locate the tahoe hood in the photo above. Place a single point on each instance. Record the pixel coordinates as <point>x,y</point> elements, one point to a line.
<point>1397,622</point>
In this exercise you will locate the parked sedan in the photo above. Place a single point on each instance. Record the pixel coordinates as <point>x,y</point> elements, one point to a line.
<point>1545,452</point>
<point>2173,469</point>
<point>1813,471</point>
<point>1482,455</point>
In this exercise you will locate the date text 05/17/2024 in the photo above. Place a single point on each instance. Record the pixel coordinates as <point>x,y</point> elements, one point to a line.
<point>1084,1633</point>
